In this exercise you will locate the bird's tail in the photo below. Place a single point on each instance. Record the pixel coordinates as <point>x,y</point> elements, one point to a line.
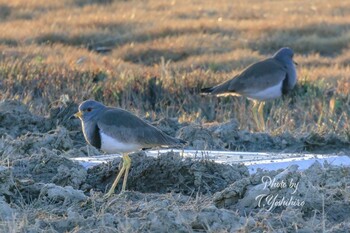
<point>207,90</point>
<point>172,141</point>
<point>182,142</point>
<point>177,142</point>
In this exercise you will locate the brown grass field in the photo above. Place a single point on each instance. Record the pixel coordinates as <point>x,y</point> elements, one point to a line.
<point>163,52</point>
<point>152,58</point>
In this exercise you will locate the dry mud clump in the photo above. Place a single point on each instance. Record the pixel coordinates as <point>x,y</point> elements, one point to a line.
<point>323,192</point>
<point>16,119</point>
<point>227,135</point>
<point>314,199</point>
<point>169,173</point>
<point>43,190</point>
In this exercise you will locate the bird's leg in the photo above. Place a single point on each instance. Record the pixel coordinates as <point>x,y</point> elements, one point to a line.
<point>121,172</point>
<point>127,165</point>
<point>255,114</point>
<point>261,114</point>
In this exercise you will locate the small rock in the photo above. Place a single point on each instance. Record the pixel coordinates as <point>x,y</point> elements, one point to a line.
<point>198,138</point>
<point>230,195</point>
<point>6,181</point>
<point>6,212</point>
<point>66,194</point>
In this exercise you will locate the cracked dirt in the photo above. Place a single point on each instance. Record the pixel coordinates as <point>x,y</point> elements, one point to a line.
<point>42,190</point>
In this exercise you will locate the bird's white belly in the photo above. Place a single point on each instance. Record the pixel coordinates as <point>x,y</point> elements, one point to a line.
<point>268,93</point>
<point>112,145</point>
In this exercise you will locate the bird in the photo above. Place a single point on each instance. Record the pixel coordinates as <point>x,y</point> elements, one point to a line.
<point>115,130</point>
<point>265,80</point>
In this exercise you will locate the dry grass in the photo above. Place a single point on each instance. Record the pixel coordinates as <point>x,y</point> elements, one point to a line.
<point>163,52</point>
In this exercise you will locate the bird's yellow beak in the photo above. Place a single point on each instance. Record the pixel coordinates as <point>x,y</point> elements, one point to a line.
<point>78,114</point>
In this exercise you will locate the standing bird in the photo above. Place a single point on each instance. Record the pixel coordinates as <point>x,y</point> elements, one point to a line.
<point>264,80</point>
<point>115,130</point>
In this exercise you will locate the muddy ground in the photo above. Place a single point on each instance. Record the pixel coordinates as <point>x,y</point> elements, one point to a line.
<point>42,190</point>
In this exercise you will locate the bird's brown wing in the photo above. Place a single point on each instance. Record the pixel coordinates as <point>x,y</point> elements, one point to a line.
<point>127,127</point>
<point>258,76</point>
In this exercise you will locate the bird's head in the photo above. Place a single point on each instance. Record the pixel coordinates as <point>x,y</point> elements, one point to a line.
<point>89,109</point>
<point>285,55</point>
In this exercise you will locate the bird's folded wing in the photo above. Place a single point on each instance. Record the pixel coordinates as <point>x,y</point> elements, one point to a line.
<point>127,127</point>
<point>258,76</point>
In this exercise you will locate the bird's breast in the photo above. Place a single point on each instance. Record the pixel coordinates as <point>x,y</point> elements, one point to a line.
<point>292,76</point>
<point>113,145</point>
<point>269,93</point>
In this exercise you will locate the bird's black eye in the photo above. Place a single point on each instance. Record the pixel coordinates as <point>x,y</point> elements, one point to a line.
<point>89,109</point>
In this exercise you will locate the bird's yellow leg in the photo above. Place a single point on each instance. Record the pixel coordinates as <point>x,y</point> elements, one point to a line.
<point>121,172</point>
<point>261,116</point>
<point>127,164</point>
<point>255,114</point>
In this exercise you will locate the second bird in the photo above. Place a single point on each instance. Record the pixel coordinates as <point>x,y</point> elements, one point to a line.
<point>264,80</point>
